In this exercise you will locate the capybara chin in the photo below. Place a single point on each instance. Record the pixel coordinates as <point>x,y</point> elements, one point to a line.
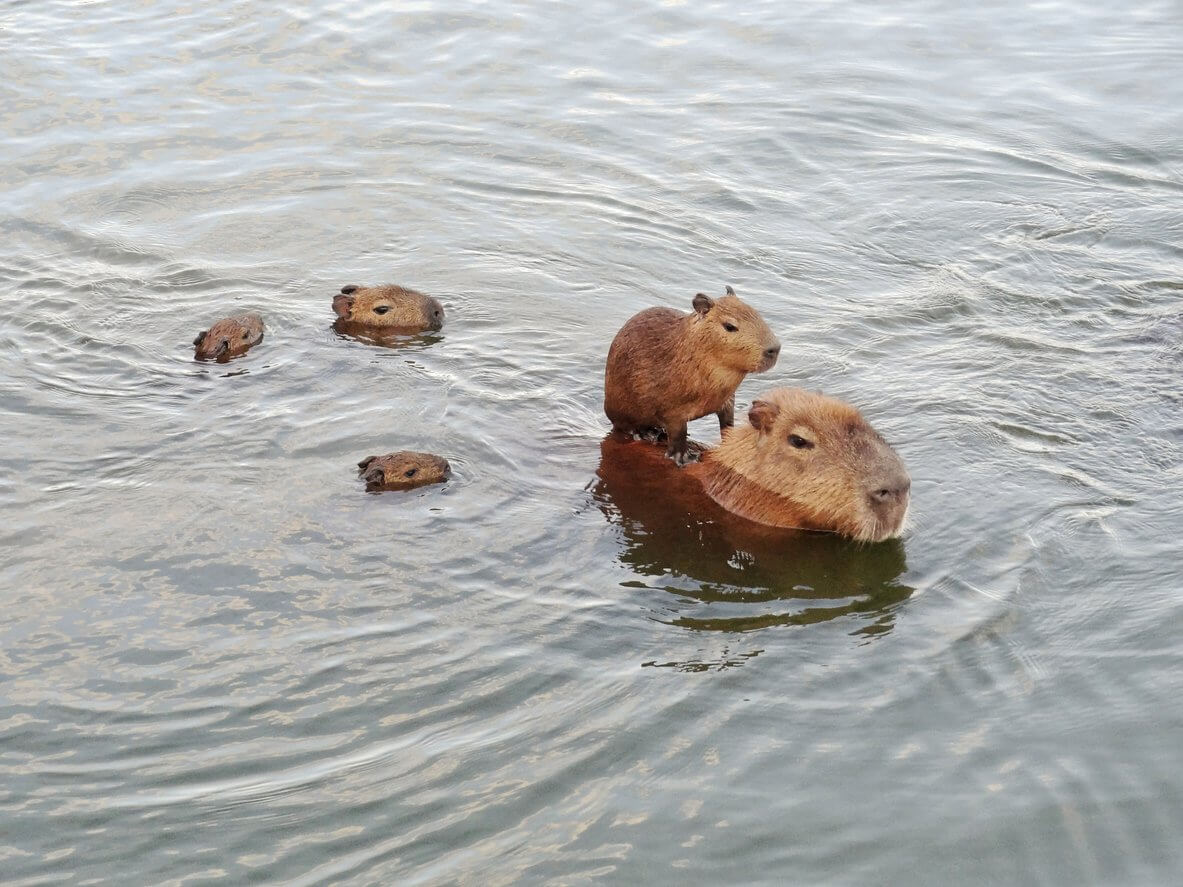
<point>229,337</point>
<point>403,470</point>
<point>666,368</point>
<point>388,307</point>
<point>809,461</point>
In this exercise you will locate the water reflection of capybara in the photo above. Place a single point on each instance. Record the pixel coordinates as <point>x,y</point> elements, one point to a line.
<point>229,337</point>
<point>674,532</point>
<point>403,470</point>
<point>666,368</point>
<point>387,308</point>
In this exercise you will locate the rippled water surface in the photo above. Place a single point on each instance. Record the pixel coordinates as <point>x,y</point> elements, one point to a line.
<point>222,662</point>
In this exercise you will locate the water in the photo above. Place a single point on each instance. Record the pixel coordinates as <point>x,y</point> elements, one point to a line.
<point>222,662</point>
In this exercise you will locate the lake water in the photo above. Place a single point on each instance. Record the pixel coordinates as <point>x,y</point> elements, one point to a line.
<point>222,662</point>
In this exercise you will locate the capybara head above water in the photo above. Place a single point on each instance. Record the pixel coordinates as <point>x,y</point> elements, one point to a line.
<point>229,337</point>
<point>733,334</point>
<point>403,470</point>
<point>388,307</point>
<point>810,461</point>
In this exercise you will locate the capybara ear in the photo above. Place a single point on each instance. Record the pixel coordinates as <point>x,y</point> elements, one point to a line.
<point>375,478</point>
<point>763,415</point>
<point>729,290</point>
<point>349,288</point>
<point>343,305</point>
<point>200,337</point>
<point>365,462</point>
<point>703,303</point>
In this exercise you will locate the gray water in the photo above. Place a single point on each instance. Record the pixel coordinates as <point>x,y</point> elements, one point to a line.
<point>222,662</point>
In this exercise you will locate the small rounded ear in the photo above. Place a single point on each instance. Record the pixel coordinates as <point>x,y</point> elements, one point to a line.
<point>375,478</point>
<point>729,290</point>
<point>349,288</point>
<point>763,415</point>
<point>200,338</point>
<point>703,303</point>
<point>362,465</point>
<point>343,305</point>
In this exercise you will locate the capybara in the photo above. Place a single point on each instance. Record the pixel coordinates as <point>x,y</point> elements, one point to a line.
<point>403,470</point>
<point>229,337</point>
<point>808,461</point>
<point>388,307</point>
<point>666,368</point>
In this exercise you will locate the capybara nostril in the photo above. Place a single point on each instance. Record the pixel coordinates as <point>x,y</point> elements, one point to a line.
<point>773,352</point>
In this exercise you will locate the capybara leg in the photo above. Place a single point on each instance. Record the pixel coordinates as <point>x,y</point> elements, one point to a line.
<point>726,414</point>
<point>677,447</point>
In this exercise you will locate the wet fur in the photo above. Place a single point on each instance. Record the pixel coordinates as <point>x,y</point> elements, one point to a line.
<point>406,310</point>
<point>666,368</point>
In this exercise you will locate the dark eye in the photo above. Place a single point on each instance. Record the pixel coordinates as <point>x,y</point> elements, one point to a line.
<point>797,442</point>
<point>381,309</point>
<point>246,335</point>
<point>730,327</point>
<point>410,472</point>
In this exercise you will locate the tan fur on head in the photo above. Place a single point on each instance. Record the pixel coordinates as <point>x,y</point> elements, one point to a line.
<point>810,461</point>
<point>388,307</point>
<point>403,470</point>
<point>229,337</point>
<point>666,368</point>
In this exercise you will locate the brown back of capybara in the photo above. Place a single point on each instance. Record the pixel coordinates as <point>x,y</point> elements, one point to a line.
<point>388,307</point>
<point>666,368</point>
<point>809,461</point>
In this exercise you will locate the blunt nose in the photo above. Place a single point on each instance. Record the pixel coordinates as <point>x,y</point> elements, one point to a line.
<point>892,489</point>
<point>772,352</point>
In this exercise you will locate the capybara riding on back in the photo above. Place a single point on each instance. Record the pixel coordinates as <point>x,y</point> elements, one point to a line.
<point>666,368</point>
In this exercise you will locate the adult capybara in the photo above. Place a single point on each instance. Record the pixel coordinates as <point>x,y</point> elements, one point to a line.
<point>666,368</point>
<point>229,337</point>
<point>388,307</point>
<point>808,461</point>
<point>403,470</point>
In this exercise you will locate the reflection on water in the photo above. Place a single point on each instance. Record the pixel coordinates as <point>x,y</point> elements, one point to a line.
<point>747,575</point>
<point>385,338</point>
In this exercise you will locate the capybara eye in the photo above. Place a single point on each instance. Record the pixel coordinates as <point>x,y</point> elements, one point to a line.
<point>410,472</point>
<point>730,327</point>
<point>798,442</point>
<point>381,309</point>
<point>246,335</point>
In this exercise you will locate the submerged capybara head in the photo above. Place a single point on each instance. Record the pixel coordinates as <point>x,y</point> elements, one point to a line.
<point>810,461</point>
<point>403,470</point>
<point>733,333</point>
<point>229,337</point>
<point>388,307</point>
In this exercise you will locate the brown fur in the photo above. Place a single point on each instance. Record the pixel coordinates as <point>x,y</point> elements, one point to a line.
<point>809,461</point>
<point>666,368</point>
<point>229,337</point>
<point>388,307</point>
<point>403,470</point>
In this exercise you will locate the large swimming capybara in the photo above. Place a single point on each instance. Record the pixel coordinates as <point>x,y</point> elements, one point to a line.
<point>808,461</point>
<point>403,470</point>
<point>229,337</point>
<point>388,307</point>
<point>666,368</point>
<point>746,575</point>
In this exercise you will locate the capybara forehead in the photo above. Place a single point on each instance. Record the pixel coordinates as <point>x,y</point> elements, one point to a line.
<point>734,306</point>
<point>825,414</point>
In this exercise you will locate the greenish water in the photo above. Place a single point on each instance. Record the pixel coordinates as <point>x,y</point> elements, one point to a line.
<point>222,662</point>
